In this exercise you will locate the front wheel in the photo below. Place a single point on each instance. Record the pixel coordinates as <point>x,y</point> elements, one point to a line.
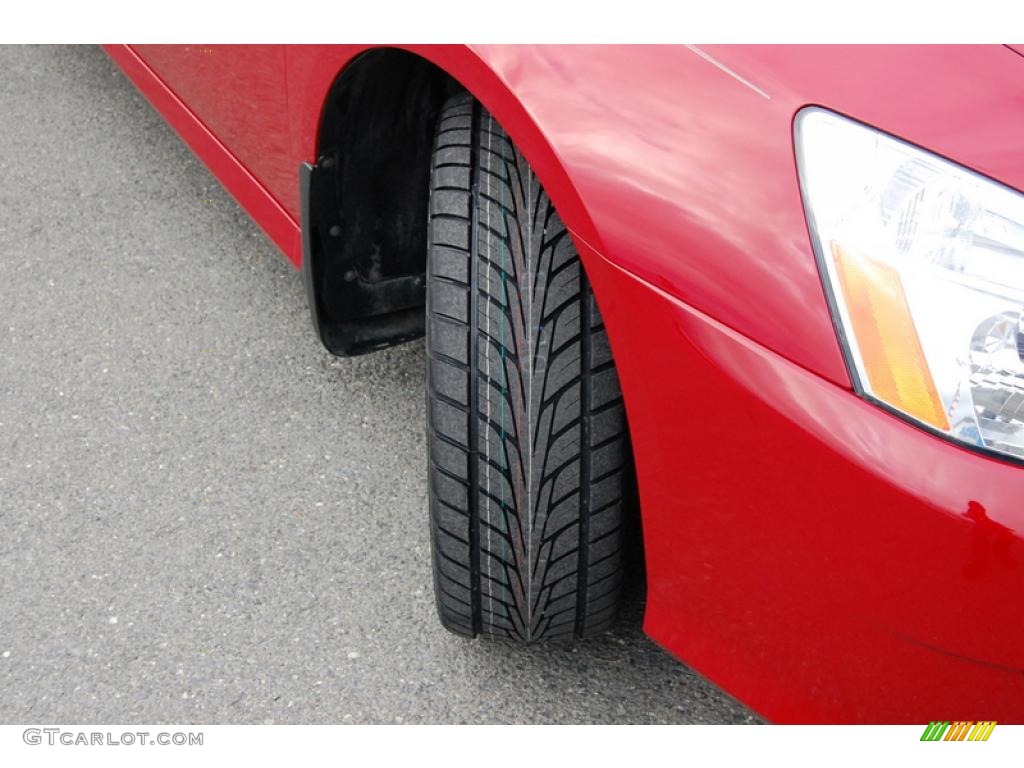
<point>529,456</point>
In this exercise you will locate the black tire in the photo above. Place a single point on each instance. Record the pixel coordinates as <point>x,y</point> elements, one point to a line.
<point>527,543</point>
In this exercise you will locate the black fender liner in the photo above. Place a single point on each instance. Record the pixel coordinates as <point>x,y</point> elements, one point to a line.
<point>363,315</point>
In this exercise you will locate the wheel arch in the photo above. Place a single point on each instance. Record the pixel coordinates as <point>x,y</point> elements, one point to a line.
<point>364,198</point>
<point>465,68</point>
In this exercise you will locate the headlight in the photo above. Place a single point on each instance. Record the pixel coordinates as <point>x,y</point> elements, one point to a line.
<point>924,263</point>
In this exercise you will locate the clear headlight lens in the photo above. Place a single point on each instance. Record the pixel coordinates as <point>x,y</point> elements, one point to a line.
<point>924,261</point>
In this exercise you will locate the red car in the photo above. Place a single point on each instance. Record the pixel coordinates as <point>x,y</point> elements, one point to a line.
<point>764,304</point>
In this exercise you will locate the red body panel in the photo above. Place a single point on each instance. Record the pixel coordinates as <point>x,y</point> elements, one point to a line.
<point>814,555</point>
<point>241,94</point>
<point>280,225</point>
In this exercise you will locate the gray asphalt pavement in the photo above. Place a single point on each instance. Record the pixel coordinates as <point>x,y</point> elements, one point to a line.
<point>206,518</point>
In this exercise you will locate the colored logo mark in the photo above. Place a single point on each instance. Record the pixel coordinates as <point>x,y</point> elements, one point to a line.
<point>961,730</point>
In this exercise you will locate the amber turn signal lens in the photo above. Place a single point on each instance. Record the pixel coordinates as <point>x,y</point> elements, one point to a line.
<point>889,346</point>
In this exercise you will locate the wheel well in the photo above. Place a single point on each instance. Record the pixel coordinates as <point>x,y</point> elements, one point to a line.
<point>365,201</point>
<point>365,206</point>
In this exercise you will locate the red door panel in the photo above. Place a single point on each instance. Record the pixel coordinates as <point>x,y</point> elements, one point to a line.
<point>239,93</point>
